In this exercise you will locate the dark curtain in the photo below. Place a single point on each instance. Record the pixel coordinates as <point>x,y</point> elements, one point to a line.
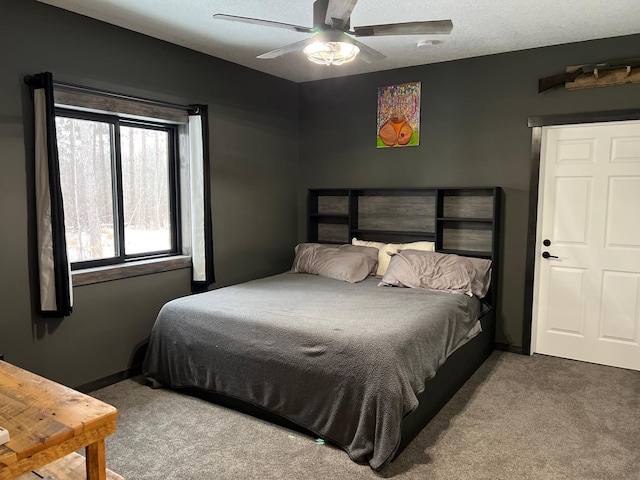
<point>56,293</point>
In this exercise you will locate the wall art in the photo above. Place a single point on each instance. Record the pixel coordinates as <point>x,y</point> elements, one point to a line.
<point>399,115</point>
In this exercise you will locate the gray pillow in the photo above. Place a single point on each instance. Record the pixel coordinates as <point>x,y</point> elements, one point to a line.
<point>438,271</point>
<point>350,263</point>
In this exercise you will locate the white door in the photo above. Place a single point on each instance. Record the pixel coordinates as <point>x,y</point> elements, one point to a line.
<point>587,300</point>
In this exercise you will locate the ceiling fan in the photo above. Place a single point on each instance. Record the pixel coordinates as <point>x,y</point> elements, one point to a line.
<point>333,42</point>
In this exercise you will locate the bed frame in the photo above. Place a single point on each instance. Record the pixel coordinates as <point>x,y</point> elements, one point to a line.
<point>464,221</point>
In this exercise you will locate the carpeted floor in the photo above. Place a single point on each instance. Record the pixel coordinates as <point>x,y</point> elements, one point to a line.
<point>518,417</point>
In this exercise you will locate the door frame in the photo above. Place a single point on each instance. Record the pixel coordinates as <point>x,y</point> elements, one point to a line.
<point>536,124</point>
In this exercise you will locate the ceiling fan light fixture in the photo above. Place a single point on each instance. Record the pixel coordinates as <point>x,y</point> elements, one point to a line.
<point>331,53</point>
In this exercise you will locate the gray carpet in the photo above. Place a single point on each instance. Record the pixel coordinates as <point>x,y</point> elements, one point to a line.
<point>517,418</point>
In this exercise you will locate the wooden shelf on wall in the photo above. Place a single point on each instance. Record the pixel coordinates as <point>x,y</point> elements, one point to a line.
<point>608,78</point>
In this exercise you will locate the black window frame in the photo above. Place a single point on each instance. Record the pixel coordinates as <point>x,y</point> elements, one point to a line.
<point>115,123</point>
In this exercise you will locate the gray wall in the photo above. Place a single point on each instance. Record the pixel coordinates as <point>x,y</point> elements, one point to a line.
<point>253,131</point>
<point>473,132</point>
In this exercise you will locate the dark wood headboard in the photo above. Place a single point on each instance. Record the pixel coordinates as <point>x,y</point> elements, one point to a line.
<point>464,221</point>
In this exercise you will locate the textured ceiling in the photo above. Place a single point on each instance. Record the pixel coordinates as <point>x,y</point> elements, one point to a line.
<point>480,27</point>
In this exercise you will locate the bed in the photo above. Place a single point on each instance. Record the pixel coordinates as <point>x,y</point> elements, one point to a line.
<point>360,365</point>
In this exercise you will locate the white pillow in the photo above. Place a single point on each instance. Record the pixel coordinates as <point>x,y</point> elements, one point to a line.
<point>364,243</point>
<point>385,249</point>
<point>378,245</point>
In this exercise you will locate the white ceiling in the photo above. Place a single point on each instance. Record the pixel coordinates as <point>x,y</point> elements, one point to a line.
<point>480,27</point>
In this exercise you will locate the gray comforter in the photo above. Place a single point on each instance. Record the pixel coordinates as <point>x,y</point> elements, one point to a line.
<point>343,360</point>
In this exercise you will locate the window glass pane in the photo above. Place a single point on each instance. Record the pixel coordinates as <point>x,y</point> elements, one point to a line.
<point>84,149</point>
<point>145,190</point>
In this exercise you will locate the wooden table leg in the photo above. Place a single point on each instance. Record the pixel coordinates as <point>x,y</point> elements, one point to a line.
<point>96,461</point>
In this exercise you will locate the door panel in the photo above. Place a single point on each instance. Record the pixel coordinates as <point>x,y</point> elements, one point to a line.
<point>575,151</point>
<point>566,300</point>
<point>619,313</point>
<point>625,150</point>
<point>624,197</point>
<point>587,292</point>
<point>571,216</point>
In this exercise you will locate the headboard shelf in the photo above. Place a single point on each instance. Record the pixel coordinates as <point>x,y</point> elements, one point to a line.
<point>467,253</point>
<point>458,219</point>
<point>394,232</point>
<point>393,192</point>
<point>464,220</point>
<point>331,218</point>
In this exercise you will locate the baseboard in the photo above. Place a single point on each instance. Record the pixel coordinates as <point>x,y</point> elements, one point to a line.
<point>508,348</point>
<point>110,380</point>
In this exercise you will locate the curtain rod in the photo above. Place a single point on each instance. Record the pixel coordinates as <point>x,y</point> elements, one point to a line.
<point>119,96</point>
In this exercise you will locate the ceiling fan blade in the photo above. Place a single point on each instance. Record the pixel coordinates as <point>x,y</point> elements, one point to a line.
<point>433,27</point>
<point>278,52</point>
<point>265,23</point>
<point>368,54</point>
<point>339,12</point>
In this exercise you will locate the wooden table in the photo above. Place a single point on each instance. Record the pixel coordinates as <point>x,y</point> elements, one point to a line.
<point>47,423</point>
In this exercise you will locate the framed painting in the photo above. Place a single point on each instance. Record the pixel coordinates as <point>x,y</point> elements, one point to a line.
<point>399,115</point>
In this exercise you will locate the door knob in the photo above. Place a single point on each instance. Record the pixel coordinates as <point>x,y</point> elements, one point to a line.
<point>548,255</point>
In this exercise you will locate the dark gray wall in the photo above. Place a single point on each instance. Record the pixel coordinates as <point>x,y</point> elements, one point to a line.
<point>473,132</point>
<point>253,130</point>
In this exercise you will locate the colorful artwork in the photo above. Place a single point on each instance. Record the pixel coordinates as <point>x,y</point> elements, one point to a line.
<point>399,115</point>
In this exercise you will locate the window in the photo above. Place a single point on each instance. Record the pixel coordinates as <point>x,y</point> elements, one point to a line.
<point>128,192</point>
<point>119,188</point>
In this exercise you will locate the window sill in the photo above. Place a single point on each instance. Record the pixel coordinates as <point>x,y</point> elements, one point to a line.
<point>90,276</point>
